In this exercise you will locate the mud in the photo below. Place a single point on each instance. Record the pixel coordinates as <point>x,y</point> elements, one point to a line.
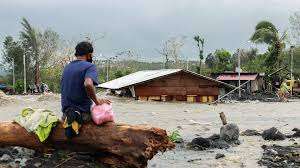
<point>194,120</point>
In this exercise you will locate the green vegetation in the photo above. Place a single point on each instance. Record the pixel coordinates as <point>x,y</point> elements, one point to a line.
<point>200,45</point>
<point>266,32</point>
<point>175,136</point>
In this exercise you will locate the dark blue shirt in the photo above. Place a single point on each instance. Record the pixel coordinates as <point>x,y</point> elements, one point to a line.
<point>73,93</point>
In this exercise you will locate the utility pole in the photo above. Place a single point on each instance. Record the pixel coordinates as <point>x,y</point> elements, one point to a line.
<point>239,71</point>
<point>187,63</point>
<point>14,78</point>
<point>292,62</point>
<point>107,66</point>
<point>24,65</point>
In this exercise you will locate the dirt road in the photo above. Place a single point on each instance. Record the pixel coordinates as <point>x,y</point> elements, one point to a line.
<point>191,120</point>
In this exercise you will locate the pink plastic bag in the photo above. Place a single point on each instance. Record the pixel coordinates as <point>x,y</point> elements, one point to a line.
<point>102,114</point>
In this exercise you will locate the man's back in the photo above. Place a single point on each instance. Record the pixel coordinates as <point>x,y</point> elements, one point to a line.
<point>73,93</point>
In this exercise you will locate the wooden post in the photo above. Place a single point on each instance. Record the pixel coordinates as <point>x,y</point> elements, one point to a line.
<point>223,118</point>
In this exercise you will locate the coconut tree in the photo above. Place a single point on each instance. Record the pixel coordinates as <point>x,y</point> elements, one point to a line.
<point>30,36</point>
<point>200,45</point>
<point>267,33</point>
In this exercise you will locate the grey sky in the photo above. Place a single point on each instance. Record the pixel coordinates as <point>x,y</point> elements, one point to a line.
<point>143,25</point>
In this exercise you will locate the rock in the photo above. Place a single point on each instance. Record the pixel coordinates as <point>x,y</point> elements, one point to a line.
<point>229,132</point>
<point>297,132</point>
<point>22,152</point>
<point>219,155</point>
<point>220,144</point>
<point>273,134</point>
<point>179,127</point>
<point>21,161</point>
<point>214,137</point>
<point>250,132</point>
<point>275,156</point>
<point>13,165</point>
<point>5,151</point>
<point>200,143</point>
<point>37,164</point>
<point>5,158</point>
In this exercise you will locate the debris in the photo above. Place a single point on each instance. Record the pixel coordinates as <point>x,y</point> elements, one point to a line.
<point>223,118</point>
<point>229,135</point>
<point>219,155</point>
<point>275,156</point>
<point>250,132</point>
<point>273,134</point>
<point>192,160</point>
<point>229,132</point>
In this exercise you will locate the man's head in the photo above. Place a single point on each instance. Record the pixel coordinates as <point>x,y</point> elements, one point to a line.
<point>84,50</point>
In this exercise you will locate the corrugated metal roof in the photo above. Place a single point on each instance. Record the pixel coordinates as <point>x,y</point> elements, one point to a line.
<point>230,77</point>
<point>137,77</point>
<point>143,76</point>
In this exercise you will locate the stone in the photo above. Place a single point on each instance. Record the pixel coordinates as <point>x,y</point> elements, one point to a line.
<point>37,164</point>
<point>153,165</point>
<point>250,132</point>
<point>5,158</point>
<point>220,144</point>
<point>297,132</point>
<point>22,152</point>
<point>214,137</point>
<point>229,132</point>
<point>200,143</point>
<point>219,155</point>
<point>273,134</point>
<point>276,156</point>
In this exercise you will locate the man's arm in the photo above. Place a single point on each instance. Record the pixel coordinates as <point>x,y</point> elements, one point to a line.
<point>91,92</point>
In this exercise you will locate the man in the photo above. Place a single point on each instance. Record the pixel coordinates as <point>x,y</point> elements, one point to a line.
<point>78,85</point>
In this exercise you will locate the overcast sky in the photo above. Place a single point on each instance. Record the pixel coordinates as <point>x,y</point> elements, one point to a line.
<point>143,25</point>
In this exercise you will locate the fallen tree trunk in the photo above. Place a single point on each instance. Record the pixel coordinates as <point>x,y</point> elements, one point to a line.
<point>120,145</point>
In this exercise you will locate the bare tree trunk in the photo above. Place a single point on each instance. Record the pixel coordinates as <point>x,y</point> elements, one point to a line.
<point>121,145</point>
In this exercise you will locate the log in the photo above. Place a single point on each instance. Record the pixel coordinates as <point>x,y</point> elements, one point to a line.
<point>120,145</point>
<point>223,118</point>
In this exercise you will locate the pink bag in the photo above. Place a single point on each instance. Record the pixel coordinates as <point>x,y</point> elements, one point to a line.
<point>102,114</point>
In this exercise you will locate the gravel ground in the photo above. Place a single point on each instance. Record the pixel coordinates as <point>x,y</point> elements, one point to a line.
<point>192,120</point>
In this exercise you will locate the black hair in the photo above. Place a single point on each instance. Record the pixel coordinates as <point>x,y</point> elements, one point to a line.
<point>83,48</point>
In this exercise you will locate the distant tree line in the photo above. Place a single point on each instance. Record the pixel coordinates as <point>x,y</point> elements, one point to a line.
<point>46,54</point>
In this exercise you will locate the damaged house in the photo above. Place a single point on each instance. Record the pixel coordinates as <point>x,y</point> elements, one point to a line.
<point>255,81</point>
<point>168,85</point>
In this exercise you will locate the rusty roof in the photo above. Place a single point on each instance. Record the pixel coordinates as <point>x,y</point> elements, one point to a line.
<point>234,77</point>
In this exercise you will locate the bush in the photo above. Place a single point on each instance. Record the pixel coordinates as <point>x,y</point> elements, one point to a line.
<point>19,86</point>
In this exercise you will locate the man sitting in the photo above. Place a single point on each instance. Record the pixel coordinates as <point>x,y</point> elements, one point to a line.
<point>78,88</point>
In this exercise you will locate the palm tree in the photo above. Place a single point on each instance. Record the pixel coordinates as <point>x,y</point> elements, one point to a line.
<point>199,41</point>
<point>30,35</point>
<point>266,32</point>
